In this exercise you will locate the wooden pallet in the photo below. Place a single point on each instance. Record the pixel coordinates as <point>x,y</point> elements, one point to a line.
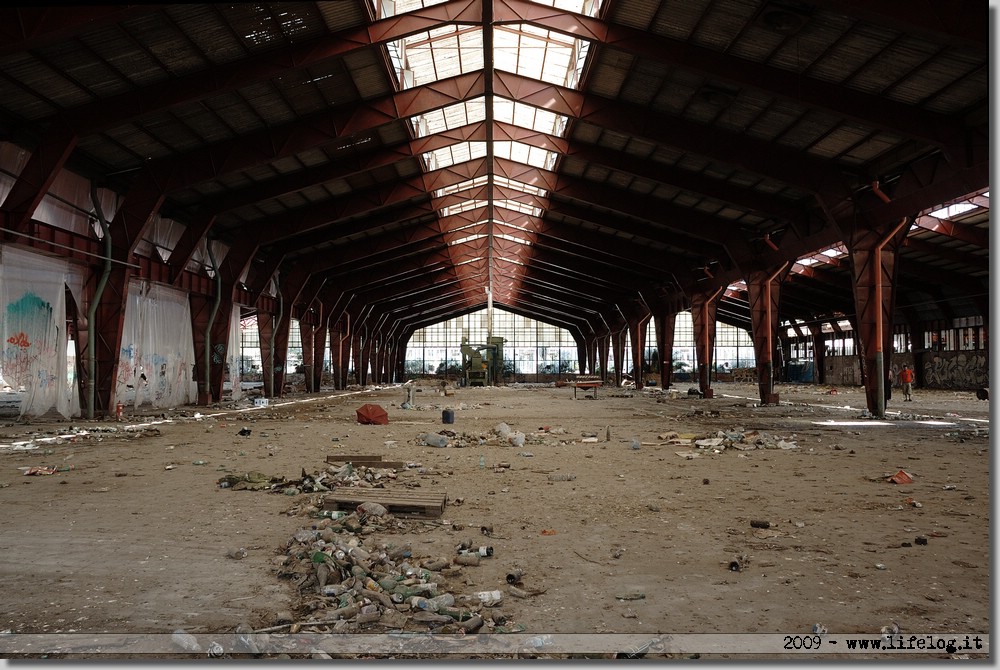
<point>399,503</point>
<point>367,461</point>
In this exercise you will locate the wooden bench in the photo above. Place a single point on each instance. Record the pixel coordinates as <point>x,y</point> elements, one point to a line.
<point>586,385</point>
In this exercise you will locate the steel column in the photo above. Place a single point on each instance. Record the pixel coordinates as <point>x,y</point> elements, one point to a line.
<point>873,250</point>
<point>340,333</point>
<point>603,346</point>
<point>265,333</point>
<point>358,359</point>
<point>582,347</point>
<point>618,351</point>
<point>664,322</point>
<point>704,307</point>
<point>110,325</point>
<point>307,332</point>
<point>592,355</point>
<point>319,348</point>
<point>819,353</point>
<point>764,288</point>
<point>201,308</point>
<point>637,333</point>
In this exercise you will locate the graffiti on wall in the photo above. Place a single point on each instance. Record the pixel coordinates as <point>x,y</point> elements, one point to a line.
<point>957,371</point>
<point>27,349</point>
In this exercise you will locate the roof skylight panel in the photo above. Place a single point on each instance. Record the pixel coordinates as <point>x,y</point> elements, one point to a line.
<point>953,210</point>
<point>502,181</point>
<point>455,188</point>
<point>463,207</point>
<point>511,238</point>
<point>533,52</point>
<point>520,207</point>
<point>450,117</point>
<point>525,116</point>
<point>468,238</point>
<point>523,153</point>
<point>457,153</point>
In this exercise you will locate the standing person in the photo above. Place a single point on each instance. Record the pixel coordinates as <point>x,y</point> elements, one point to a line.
<point>906,379</point>
<point>888,386</point>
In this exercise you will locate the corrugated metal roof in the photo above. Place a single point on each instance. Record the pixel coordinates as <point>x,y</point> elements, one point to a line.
<point>766,123</point>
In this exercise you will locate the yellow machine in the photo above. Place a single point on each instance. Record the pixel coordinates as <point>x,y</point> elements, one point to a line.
<point>482,364</point>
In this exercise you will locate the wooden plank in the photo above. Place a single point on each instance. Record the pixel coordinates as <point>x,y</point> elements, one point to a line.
<point>367,461</point>
<point>395,465</point>
<point>387,494</point>
<point>381,494</point>
<point>424,503</point>
<point>354,458</point>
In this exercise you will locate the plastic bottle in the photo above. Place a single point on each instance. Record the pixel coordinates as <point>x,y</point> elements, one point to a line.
<point>185,640</point>
<point>438,602</point>
<point>334,589</point>
<point>482,462</point>
<point>358,553</point>
<point>435,440</point>
<point>246,639</point>
<point>432,604</point>
<point>539,641</point>
<point>484,552</point>
<point>402,551</point>
<point>332,514</point>
<point>490,598</point>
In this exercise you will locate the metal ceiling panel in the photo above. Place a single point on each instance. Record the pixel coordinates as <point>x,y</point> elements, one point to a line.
<point>251,98</point>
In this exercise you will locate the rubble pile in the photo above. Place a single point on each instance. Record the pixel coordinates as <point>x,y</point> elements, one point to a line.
<point>500,435</point>
<point>347,475</point>
<point>742,440</point>
<point>350,582</point>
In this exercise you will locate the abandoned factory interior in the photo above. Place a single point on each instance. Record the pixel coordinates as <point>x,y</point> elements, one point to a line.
<point>497,329</point>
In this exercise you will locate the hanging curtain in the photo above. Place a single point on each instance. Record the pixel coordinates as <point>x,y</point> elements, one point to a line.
<point>156,360</point>
<point>233,354</point>
<point>38,358</point>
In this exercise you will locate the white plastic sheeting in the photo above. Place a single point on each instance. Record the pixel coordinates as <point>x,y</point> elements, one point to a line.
<point>36,352</point>
<point>233,353</point>
<point>156,360</point>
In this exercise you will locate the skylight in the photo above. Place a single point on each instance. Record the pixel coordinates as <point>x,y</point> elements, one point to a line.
<point>952,211</point>
<point>449,118</point>
<point>522,49</point>
<point>457,153</point>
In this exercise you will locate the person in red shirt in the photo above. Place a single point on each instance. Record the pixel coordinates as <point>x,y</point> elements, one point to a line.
<point>906,379</point>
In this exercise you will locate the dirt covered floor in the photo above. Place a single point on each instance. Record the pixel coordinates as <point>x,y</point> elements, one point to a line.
<point>629,513</point>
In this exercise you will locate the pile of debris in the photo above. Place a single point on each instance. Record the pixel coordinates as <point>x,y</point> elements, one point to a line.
<point>346,475</point>
<point>742,440</point>
<point>500,435</point>
<point>503,435</point>
<point>349,582</point>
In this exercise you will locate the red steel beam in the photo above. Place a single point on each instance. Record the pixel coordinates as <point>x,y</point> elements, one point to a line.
<point>229,77</point>
<point>856,106</point>
<point>807,173</point>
